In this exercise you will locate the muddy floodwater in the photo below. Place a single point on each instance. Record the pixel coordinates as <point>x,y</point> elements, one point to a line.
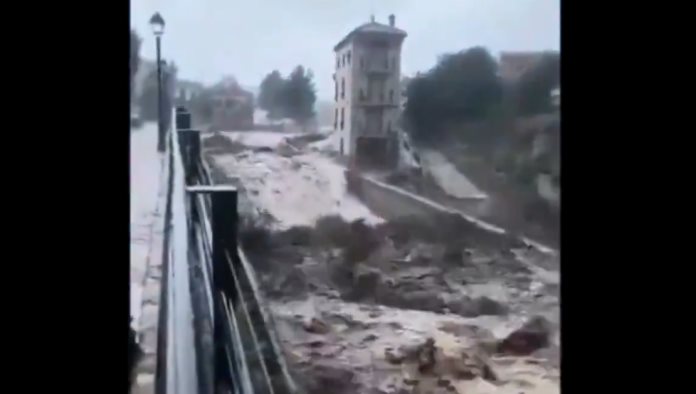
<point>353,303</point>
<point>363,305</point>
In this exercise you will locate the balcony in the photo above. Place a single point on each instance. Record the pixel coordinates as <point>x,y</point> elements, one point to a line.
<point>376,67</point>
<point>376,100</point>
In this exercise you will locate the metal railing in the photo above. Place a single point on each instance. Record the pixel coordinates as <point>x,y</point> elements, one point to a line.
<point>233,344</point>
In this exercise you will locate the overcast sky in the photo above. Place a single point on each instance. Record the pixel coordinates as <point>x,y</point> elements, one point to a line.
<point>209,39</point>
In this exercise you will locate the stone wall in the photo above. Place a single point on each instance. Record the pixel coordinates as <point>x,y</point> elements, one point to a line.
<point>391,202</point>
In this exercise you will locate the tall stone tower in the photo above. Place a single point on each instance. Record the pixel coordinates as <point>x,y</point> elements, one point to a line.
<point>367,92</point>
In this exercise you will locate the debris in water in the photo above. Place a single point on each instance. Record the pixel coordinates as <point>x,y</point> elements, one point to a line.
<point>532,336</point>
<point>315,326</point>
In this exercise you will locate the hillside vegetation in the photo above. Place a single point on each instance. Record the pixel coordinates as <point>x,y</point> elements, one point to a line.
<point>504,135</point>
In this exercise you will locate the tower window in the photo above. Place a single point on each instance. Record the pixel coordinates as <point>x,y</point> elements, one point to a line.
<point>342,117</point>
<point>343,88</point>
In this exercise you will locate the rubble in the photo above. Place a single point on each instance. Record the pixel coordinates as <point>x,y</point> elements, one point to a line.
<point>325,376</point>
<point>532,336</point>
<point>481,306</point>
<point>315,326</point>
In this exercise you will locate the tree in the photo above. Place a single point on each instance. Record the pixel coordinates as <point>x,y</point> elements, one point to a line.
<point>270,94</point>
<point>148,98</point>
<point>134,55</point>
<point>299,95</point>
<point>463,86</point>
<point>201,106</point>
<point>534,87</point>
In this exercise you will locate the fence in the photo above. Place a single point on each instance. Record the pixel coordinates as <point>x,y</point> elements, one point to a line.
<point>215,334</point>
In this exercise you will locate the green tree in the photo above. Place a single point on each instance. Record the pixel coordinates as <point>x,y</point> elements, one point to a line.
<point>463,86</point>
<point>270,94</point>
<point>299,95</point>
<point>534,87</point>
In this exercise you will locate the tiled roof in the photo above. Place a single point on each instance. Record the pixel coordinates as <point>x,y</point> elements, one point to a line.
<point>371,27</point>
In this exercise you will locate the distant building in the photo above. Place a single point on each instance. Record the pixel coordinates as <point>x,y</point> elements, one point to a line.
<point>233,107</point>
<point>187,90</point>
<point>513,65</point>
<point>367,91</point>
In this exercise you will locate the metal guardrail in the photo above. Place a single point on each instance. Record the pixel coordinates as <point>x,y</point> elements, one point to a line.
<point>234,347</point>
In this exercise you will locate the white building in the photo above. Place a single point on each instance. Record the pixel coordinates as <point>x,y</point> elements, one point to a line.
<point>367,91</point>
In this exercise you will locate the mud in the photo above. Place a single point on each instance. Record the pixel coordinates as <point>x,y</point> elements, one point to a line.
<point>349,299</point>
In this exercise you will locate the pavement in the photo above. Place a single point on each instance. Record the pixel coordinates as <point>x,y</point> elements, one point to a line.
<point>147,205</point>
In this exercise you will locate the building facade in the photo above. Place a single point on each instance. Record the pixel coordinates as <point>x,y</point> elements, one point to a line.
<point>513,65</point>
<point>367,92</point>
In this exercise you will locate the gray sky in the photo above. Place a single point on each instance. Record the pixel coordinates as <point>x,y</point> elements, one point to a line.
<point>209,39</point>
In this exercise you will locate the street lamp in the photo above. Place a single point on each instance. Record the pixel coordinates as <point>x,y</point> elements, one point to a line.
<point>157,24</point>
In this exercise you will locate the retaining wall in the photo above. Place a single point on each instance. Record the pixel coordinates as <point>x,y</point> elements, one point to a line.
<point>392,202</point>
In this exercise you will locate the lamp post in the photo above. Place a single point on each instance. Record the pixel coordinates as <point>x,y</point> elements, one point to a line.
<point>157,24</point>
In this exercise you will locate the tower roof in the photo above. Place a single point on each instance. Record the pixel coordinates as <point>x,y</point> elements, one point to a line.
<point>371,27</point>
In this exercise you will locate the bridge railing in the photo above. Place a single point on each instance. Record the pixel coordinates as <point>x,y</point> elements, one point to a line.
<point>234,344</point>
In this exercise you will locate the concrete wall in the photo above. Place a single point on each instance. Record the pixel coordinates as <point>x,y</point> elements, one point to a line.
<point>392,202</point>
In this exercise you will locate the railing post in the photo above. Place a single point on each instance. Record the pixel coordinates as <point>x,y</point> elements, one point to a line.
<point>224,219</point>
<point>190,141</point>
<point>183,118</point>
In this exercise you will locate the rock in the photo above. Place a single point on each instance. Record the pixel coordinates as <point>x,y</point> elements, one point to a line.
<point>468,364</point>
<point>453,254</point>
<point>422,300</point>
<point>366,280</point>
<point>482,306</point>
<point>263,149</point>
<point>488,373</point>
<point>370,338</point>
<point>393,357</point>
<point>507,253</point>
<point>426,356</point>
<point>532,336</point>
<point>315,326</point>
<point>293,284</point>
<point>488,306</point>
<point>326,375</point>
<point>346,319</point>
<point>316,344</point>
<point>442,382</point>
